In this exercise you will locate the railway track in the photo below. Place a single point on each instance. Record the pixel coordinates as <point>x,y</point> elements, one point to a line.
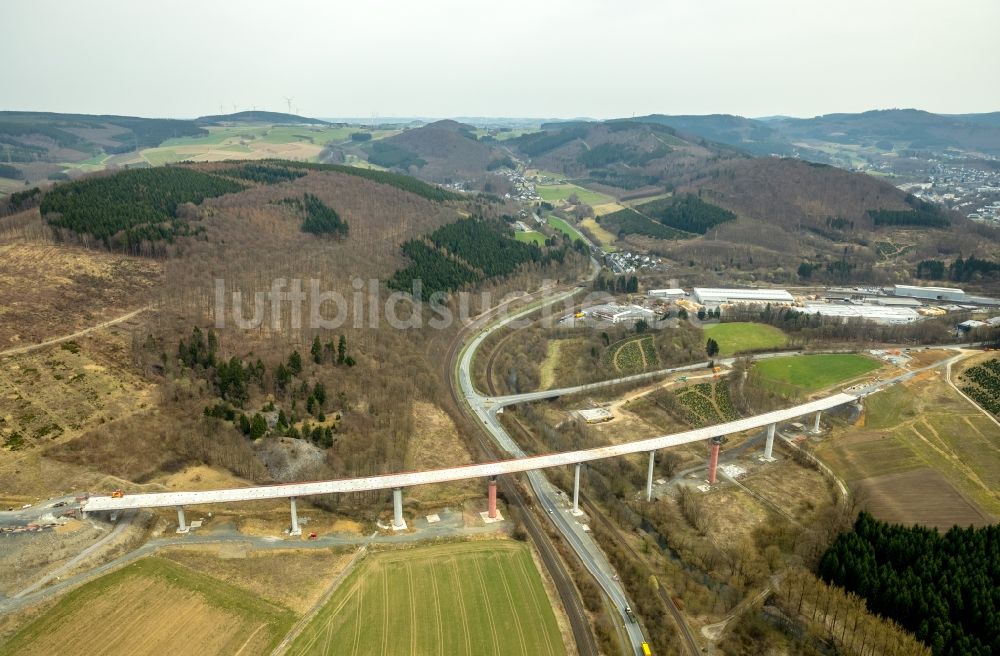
<point>685,630</point>
<point>568,594</point>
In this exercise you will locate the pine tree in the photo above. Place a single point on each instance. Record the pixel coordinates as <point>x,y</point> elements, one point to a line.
<point>341,349</point>
<point>317,350</point>
<point>258,426</point>
<point>295,363</point>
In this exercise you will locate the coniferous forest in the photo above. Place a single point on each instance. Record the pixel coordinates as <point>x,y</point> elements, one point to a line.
<point>688,213</point>
<point>944,588</point>
<point>140,204</point>
<point>263,173</point>
<point>466,251</point>
<point>322,220</point>
<point>399,181</point>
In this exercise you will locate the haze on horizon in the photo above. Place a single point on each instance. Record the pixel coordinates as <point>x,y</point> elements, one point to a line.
<point>458,58</point>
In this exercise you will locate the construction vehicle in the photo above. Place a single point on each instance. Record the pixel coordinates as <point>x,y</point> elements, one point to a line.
<point>117,494</point>
<point>645,649</point>
<point>579,315</point>
<point>716,369</point>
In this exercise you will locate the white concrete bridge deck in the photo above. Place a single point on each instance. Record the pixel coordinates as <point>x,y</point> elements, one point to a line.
<point>486,470</point>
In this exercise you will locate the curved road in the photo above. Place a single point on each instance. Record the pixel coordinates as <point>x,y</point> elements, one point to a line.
<point>590,554</point>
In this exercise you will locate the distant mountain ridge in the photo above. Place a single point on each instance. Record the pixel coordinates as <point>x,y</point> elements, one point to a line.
<point>887,129</point>
<point>259,116</point>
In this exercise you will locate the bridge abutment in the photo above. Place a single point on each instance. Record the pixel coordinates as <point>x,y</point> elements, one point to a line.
<point>182,526</point>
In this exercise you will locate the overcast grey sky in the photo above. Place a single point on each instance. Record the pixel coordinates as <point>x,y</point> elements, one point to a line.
<point>515,58</point>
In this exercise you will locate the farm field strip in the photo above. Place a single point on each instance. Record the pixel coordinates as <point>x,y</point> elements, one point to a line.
<point>154,606</point>
<point>560,192</point>
<point>466,598</point>
<point>924,426</point>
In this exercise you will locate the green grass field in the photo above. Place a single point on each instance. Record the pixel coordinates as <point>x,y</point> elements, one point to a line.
<point>564,227</point>
<point>807,373</point>
<point>465,598</point>
<point>154,606</point>
<point>745,336</point>
<point>532,236</point>
<point>560,192</point>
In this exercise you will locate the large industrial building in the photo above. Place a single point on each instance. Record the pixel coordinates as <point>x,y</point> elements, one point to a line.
<point>878,313</point>
<point>943,294</point>
<point>931,293</point>
<point>666,293</point>
<point>713,297</point>
<point>621,313</point>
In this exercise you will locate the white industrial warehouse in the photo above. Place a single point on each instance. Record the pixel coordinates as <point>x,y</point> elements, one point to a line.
<point>713,297</point>
<point>878,313</point>
<point>675,292</point>
<point>930,293</point>
<point>616,313</point>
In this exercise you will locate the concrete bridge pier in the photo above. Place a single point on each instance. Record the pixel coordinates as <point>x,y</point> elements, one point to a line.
<point>182,526</point>
<point>295,529</point>
<point>576,489</point>
<point>713,459</point>
<point>769,444</point>
<point>816,428</point>
<point>649,476</point>
<point>491,511</point>
<point>398,523</point>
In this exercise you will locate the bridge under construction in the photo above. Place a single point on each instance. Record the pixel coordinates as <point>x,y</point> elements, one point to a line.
<point>489,471</point>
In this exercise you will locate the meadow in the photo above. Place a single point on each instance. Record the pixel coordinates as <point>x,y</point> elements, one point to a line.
<point>562,192</point>
<point>531,237</point>
<point>564,227</point>
<point>808,373</point>
<point>745,336</point>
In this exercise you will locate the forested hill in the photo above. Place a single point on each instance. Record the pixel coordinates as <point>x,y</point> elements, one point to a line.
<point>31,136</point>
<point>621,154</point>
<point>885,129</point>
<point>139,210</point>
<point>259,116</point>
<point>437,151</point>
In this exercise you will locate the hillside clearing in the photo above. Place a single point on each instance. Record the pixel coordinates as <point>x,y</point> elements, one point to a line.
<point>531,237</point>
